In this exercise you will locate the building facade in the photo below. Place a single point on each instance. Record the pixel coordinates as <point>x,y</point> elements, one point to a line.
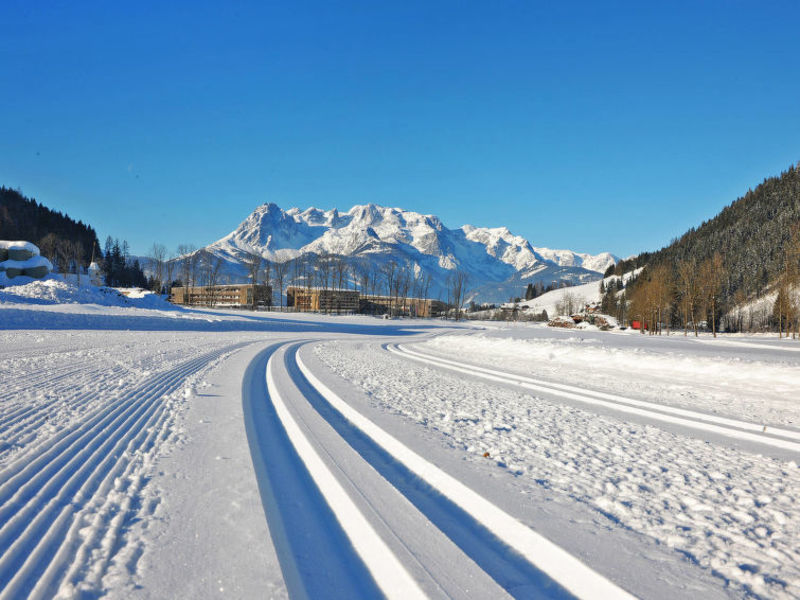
<point>305,299</point>
<point>235,296</point>
<point>400,306</point>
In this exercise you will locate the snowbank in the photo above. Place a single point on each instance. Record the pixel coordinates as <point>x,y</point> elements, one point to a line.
<point>19,246</point>
<point>55,291</point>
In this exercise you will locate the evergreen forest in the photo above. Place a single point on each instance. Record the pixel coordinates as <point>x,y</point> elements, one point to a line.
<point>750,235</point>
<point>60,238</point>
<point>750,248</point>
<point>69,244</point>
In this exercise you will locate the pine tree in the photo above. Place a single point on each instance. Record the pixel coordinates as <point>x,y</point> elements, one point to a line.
<point>529,292</point>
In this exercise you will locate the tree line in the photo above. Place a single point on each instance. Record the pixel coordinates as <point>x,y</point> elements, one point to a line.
<point>693,294</point>
<point>534,290</point>
<point>704,277</point>
<point>119,268</point>
<point>67,243</point>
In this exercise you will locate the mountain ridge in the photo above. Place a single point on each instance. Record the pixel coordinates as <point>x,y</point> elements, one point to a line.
<point>499,264</point>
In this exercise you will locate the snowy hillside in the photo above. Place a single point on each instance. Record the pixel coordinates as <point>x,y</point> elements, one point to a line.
<point>499,264</point>
<point>581,295</point>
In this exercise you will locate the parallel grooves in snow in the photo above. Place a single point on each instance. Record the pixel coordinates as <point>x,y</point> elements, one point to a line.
<point>25,420</point>
<point>51,454</point>
<point>16,422</point>
<point>44,492</point>
<point>387,571</point>
<point>727,427</point>
<point>569,572</point>
<point>11,388</point>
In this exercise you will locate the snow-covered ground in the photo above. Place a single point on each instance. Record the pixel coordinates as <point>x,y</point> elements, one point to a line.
<point>752,378</point>
<point>149,451</point>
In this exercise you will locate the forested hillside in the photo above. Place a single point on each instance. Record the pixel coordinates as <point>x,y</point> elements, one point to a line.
<point>749,248</point>
<point>750,235</point>
<point>59,237</point>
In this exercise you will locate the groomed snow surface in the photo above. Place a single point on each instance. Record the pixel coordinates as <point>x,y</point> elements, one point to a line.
<point>149,451</point>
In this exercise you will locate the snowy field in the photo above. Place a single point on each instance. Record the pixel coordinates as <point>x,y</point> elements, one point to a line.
<point>148,451</point>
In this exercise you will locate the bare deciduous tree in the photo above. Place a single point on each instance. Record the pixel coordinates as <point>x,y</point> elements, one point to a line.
<point>214,271</point>
<point>48,246</point>
<point>281,270</point>
<point>64,254</point>
<point>157,258</point>
<point>712,277</point>
<point>389,272</point>
<point>187,256</point>
<point>457,284</point>
<point>169,271</point>
<point>567,305</point>
<point>661,290</point>
<point>76,257</point>
<point>253,261</point>
<point>792,275</point>
<point>687,280</point>
<point>267,271</point>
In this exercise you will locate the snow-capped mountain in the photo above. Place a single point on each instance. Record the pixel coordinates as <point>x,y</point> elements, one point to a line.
<point>498,263</point>
<point>568,258</point>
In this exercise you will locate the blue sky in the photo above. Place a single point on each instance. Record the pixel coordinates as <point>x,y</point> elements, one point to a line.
<point>591,126</point>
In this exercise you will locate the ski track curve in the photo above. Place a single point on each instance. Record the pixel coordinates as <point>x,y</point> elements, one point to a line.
<point>65,500</point>
<point>520,561</point>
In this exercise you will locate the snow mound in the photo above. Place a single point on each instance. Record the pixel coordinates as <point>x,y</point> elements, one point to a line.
<point>55,291</point>
<point>21,259</point>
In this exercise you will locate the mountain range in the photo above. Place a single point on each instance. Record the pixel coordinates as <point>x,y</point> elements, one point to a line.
<point>498,263</point>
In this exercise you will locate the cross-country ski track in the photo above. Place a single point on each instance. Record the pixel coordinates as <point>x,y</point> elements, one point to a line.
<point>733,429</point>
<point>406,489</point>
<point>352,510</point>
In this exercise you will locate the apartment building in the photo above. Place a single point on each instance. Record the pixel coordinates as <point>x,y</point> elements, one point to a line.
<point>236,295</point>
<point>400,306</point>
<point>322,299</point>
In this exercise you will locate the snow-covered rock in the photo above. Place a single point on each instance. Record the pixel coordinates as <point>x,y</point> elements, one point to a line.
<point>21,259</point>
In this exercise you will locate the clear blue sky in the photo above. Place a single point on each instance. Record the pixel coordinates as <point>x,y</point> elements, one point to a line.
<point>593,126</point>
